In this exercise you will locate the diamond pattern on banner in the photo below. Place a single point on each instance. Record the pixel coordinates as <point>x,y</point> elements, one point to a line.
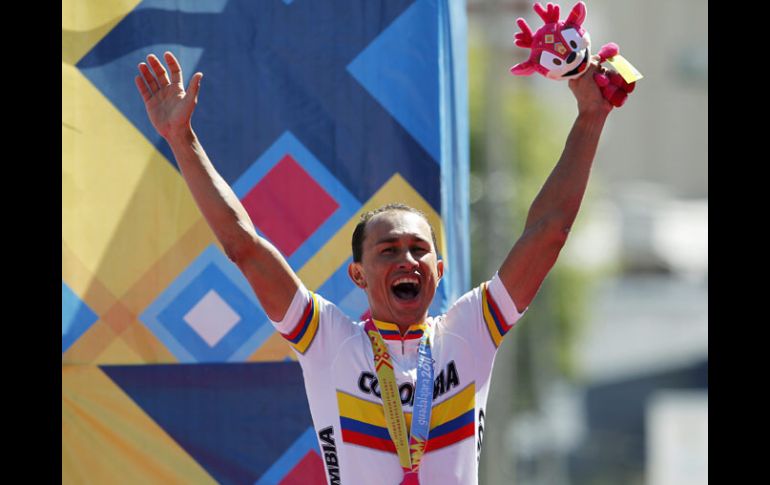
<point>287,205</point>
<point>212,318</point>
<point>209,313</point>
<point>391,69</point>
<point>76,317</point>
<point>299,464</point>
<point>293,199</point>
<point>309,471</point>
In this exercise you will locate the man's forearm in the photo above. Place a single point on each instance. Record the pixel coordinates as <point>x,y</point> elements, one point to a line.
<point>216,200</point>
<point>563,191</point>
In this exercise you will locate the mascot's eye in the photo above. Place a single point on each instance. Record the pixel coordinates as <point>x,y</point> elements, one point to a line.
<point>574,39</point>
<point>550,61</point>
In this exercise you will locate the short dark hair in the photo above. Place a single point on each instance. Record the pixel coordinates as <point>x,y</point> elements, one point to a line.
<point>359,232</point>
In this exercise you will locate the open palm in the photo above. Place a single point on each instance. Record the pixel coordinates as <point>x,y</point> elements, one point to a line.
<point>168,105</point>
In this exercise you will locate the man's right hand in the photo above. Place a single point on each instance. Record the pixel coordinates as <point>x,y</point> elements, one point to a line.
<point>168,105</point>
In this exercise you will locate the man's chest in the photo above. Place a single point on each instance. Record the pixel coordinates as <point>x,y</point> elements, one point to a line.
<point>357,392</point>
<point>353,371</point>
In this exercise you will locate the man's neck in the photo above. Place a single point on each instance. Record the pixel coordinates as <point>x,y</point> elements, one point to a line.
<point>402,327</point>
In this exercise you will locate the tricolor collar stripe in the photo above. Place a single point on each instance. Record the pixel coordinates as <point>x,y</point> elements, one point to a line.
<point>390,331</point>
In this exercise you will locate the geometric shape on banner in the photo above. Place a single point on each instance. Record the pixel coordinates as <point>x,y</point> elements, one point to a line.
<point>212,318</point>
<point>340,289</point>
<point>87,348</point>
<point>402,63</point>
<point>76,317</point>
<point>108,438</point>
<point>138,207</point>
<point>302,216</point>
<point>118,352</point>
<point>288,206</point>
<point>191,295</point>
<point>209,6</point>
<point>309,471</point>
<point>167,268</point>
<point>235,420</point>
<point>301,460</point>
<point>86,23</point>
<point>84,283</point>
<point>142,341</point>
<point>273,88</point>
<point>119,318</point>
<point>274,349</point>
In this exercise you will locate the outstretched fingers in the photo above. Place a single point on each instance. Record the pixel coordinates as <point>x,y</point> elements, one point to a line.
<point>149,78</point>
<point>159,70</point>
<point>195,86</point>
<point>174,67</point>
<point>142,87</point>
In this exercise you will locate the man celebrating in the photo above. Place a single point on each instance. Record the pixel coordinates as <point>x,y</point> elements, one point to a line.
<point>399,397</point>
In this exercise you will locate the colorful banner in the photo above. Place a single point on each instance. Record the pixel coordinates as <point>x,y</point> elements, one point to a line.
<point>314,112</point>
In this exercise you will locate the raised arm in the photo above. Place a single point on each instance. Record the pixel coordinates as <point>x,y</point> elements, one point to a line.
<point>170,110</point>
<point>554,209</point>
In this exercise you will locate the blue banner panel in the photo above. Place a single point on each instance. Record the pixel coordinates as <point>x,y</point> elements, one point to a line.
<point>236,420</point>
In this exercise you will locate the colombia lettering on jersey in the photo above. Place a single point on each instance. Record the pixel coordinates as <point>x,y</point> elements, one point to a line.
<point>326,436</point>
<point>363,422</point>
<point>369,384</point>
<point>302,335</point>
<point>493,317</point>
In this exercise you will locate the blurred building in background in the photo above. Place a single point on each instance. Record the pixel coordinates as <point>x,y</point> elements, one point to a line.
<point>635,410</point>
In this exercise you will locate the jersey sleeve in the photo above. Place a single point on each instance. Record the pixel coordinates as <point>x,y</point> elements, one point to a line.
<point>498,309</point>
<point>483,316</point>
<point>313,326</point>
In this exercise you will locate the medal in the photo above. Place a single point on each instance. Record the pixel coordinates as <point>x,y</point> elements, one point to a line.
<point>410,448</point>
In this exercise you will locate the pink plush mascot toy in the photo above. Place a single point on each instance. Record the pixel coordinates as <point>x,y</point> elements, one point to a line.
<point>562,50</point>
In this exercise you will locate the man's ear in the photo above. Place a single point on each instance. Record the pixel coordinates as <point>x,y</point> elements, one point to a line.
<point>440,268</point>
<point>356,274</point>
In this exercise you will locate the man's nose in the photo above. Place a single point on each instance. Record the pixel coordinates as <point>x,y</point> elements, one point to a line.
<point>408,260</point>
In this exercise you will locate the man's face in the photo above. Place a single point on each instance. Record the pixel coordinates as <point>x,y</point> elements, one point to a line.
<point>399,268</point>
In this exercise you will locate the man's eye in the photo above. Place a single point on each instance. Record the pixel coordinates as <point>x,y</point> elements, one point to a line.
<point>388,250</point>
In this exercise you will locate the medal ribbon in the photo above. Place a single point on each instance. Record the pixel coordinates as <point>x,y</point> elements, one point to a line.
<point>410,449</point>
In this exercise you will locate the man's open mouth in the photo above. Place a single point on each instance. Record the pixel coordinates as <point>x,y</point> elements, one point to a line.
<point>580,67</point>
<point>406,288</point>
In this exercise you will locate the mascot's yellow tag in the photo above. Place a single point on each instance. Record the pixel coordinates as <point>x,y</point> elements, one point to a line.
<point>624,68</point>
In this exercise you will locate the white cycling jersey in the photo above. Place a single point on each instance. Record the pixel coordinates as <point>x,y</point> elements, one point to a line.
<point>343,392</point>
